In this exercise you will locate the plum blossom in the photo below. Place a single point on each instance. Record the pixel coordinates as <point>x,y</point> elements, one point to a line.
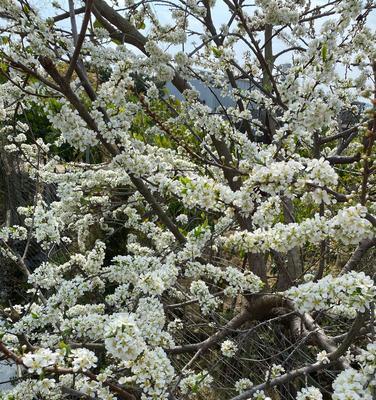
<point>40,359</point>
<point>309,393</point>
<point>123,338</point>
<point>83,359</point>
<point>228,348</point>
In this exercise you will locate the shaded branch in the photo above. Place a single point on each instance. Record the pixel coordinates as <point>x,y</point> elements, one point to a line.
<point>358,254</point>
<point>334,356</point>
<point>67,14</point>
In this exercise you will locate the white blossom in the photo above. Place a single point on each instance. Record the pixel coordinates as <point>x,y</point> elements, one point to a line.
<point>243,384</point>
<point>309,393</point>
<point>42,358</point>
<point>83,359</point>
<point>228,348</point>
<point>123,338</point>
<point>322,357</point>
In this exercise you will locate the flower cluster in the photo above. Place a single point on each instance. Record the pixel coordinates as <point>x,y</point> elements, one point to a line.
<point>353,291</point>
<point>207,301</point>
<point>309,393</point>
<point>83,359</point>
<point>260,395</point>
<point>351,384</point>
<point>349,226</point>
<point>236,280</point>
<point>274,372</point>
<point>154,372</point>
<point>277,12</point>
<point>243,384</point>
<point>229,348</point>
<point>367,361</point>
<point>194,383</point>
<point>123,338</point>
<point>45,388</point>
<point>40,359</point>
<point>322,356</point>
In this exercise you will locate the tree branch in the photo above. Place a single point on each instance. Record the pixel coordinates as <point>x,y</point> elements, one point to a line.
<point>80,40</point>
<point>334,356</point>
<point>64,371</point>
<point>358,254</point>
<point>67,14</point>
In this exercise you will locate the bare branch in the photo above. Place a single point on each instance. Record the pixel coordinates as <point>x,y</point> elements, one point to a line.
<point>80,40</point>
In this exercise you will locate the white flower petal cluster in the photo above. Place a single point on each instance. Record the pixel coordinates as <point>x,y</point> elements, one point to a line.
<point>278,12</point>
<point>194,188</point>
<point>260,395</point>
<point>47,275</point>
<point>29,389</point>
<point>240,282</point>
<point>242,385</point>
<point>358,383</point>
<point>150,317</point>
<point>275,371</point>
<point>236,280</point>
<point>367,362</point>
<point>13,232</point>
<point>153,372</point>
<point>194,383</point>
<point>349,226</point>
<point>175,326</point>
<point>86,326</point>
<point>275,177</point>
<point>93,388</point>
<point>353,291</point>
<point>309,393</point>
<point>229,348</point>
<point>352,384</point>
<point>73,129</point>
<point>320,172</point>
<point>206,300</point>
<point>83,359</point>
<point>322,356</point>
<point>147,274</point>
<point>123,338</point>
<point>47,225</point>
<point>42,358</point>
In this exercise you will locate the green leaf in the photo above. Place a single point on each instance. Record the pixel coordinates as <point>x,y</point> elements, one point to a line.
<point>162,141</point>
<point>194,387</point>
<point>64,346</point>
<point>198,231</point>
<point>97,24</point>
<point>3,67</point>
<point>324,52</point>
<point>217,52</point>
<point>140,25</point>
<point>49,21</point>
<point>184,180</point>
<point>117,41</point>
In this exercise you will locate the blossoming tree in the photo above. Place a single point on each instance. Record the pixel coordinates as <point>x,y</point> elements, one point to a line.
<point>190,252</point>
